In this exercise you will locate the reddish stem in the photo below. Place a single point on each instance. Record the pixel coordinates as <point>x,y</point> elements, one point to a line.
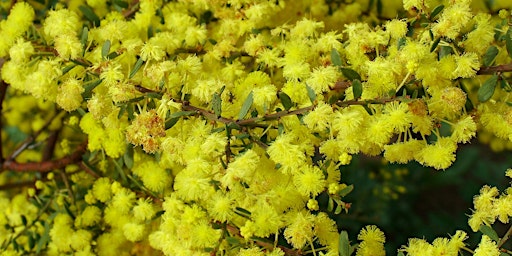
<point>47,166</point>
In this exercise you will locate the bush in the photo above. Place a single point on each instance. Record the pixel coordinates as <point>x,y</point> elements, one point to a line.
<point>253,127</point>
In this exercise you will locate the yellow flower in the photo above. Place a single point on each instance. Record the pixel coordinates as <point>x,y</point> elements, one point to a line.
<point>69,95</point>
<point>487,247</point>
<point>402,152</point>
<point>372,242</point>
<point>300,230</point>
<point>133,231</point>
<point>68,46</point>
<point>144,210</point>
<point>439,155</point>
<point>467,65</point>
<point>309,181</point>
<point>396,28</point>
<point>102,189</point>
<point>322,78</point>
<point>318,119</point>
<point>464,129</point>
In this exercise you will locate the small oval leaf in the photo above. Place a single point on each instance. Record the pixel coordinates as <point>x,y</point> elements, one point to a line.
<point>490,55</point>
<point>90,15</point>
<point>336,58</point>
<point>488,231</point>
<point>345,191</point>
<point>350,74</point>
<point>246,106</point>
<point>436,11</point>
<point>285,100</point>
<point>311,93</point>
<point>105,49</point>
<point>217,104</point>
<point>508,41</point>
<point>487,89</point>
<point>344,245</point>
<point>136,67</point>
<point>357,89</point>
<point>435,44</point>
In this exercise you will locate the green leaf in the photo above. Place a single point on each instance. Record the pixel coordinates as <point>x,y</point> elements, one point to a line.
<point>45,238</point>
<point>128,156</point>
<point>400,254</point>
<point>344,245</point>
<point>504,254</point>
<point>508,41</point>
<point>217,104</point>
<point>490,55</point>
<point>345,191</point>
<point>311,93</point>
<point>121,4</point>
<point>487,89</point>
<point>90,15</point>
<point>285,100</point>
<point>488,231</point>
<point>350,74</point>
<point>105,49</point>
<point>338,210</point>
<point>243,211</point>
<point>232,240</point>
<point>171,122</point>
<point>181,113</point>
<point>84,37</point>
<point>330,205</point>
<point>336,58</point>
<point>31,242</point>
<point>445,51</point>
<point>246,106</point>
<point>357,89</point>
<point>136,67</point>
<point>89,86</point>
<point>68,68</point>
<point>436,11</point>
<point>112,55</point>
<point>401,43</point>
<point>435,44</point>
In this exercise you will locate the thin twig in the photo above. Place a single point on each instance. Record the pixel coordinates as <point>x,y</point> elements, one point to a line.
<point>494,69</point>
<point>47,166</point>
<point>50,145</point>
<point>31,139</point>
<point>505,237</point>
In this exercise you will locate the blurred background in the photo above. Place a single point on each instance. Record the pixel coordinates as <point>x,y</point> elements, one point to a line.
<point>407,201</point>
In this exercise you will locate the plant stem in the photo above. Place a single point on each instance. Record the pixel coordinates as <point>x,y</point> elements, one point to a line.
<point>505,237</point>
<point>494,69</point>
<point>46,166</point>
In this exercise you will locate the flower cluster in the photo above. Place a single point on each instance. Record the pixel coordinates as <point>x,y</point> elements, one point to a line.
<point>223,127</point>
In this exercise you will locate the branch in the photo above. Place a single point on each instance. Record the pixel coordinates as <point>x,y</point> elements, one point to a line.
<point>493,69</point>
<point>31,139</point>
<point>47,166</point>
<point>287,251</point>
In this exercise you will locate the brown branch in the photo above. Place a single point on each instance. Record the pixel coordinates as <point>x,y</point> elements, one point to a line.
<point>31,139</point>
<point>494,69</point>
<point>50,145</point>
<point>47,166</point>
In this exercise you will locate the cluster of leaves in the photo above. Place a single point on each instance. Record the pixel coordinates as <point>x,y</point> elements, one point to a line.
<point>224,127</point>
